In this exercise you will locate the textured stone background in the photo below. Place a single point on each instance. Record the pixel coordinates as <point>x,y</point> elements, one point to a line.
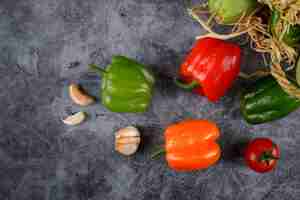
<point>46,44</point>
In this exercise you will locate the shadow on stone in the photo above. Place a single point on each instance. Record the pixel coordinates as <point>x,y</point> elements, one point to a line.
<point>233,153</point>
<point>151,137</point>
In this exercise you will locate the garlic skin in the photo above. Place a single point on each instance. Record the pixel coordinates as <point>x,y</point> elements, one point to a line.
<point>79,96</point>
<point>75,119</point>
<point>127,140</point>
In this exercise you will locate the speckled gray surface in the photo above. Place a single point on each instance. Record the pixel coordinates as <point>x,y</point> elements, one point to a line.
<point>46,44</point>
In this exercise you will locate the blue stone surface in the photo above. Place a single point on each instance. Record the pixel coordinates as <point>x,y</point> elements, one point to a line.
<point>47,44</point>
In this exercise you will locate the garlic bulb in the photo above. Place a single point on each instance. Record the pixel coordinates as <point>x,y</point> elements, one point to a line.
<point>127,140</point>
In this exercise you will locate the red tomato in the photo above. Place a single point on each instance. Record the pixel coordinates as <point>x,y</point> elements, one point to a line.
<point>261,155</point>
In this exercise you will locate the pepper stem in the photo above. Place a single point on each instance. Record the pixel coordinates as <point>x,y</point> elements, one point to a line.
<point>186,86</point>
<point>97,69</point>
<point>158,153</point>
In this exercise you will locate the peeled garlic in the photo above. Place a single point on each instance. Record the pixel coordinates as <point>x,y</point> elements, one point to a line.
<point>79,96</point>
<point>75,119</point>
<point>127,140</point>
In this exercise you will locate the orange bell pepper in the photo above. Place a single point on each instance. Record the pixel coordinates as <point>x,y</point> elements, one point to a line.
<point>191,145</point>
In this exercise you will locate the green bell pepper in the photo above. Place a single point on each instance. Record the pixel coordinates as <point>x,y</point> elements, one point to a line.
<point>126,85</point>
<point>292,34</point>
<point>266,101</point>
<point>230,11</point>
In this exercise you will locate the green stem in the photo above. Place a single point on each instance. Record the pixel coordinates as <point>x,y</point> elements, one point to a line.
<point>158,153</point>
<point>267,156</point>
<point>97,69</point>
<point>186,86</point>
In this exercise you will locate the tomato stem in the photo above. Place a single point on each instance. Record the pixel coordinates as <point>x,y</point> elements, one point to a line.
<point>186,86</point>
<point>267,156</point>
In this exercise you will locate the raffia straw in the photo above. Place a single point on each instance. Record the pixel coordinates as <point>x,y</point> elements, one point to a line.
<point>279,52</point>
<point>263,42</point>
<point>279,74</point>
<point>282,52</point>
<point>212,33</point>
<point>290,9</point>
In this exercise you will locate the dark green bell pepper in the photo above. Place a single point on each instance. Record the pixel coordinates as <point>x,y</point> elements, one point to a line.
<point>292,35</point>
<point>266,101</point>
<point>126,85</point>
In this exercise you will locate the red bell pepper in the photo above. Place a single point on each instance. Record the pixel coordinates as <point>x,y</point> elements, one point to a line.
<point>210,68</point>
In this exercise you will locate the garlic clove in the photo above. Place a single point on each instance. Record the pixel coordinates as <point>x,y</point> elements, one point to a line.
<point>75,119</point>
<point>127,140</point>
<point>79,96</point>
